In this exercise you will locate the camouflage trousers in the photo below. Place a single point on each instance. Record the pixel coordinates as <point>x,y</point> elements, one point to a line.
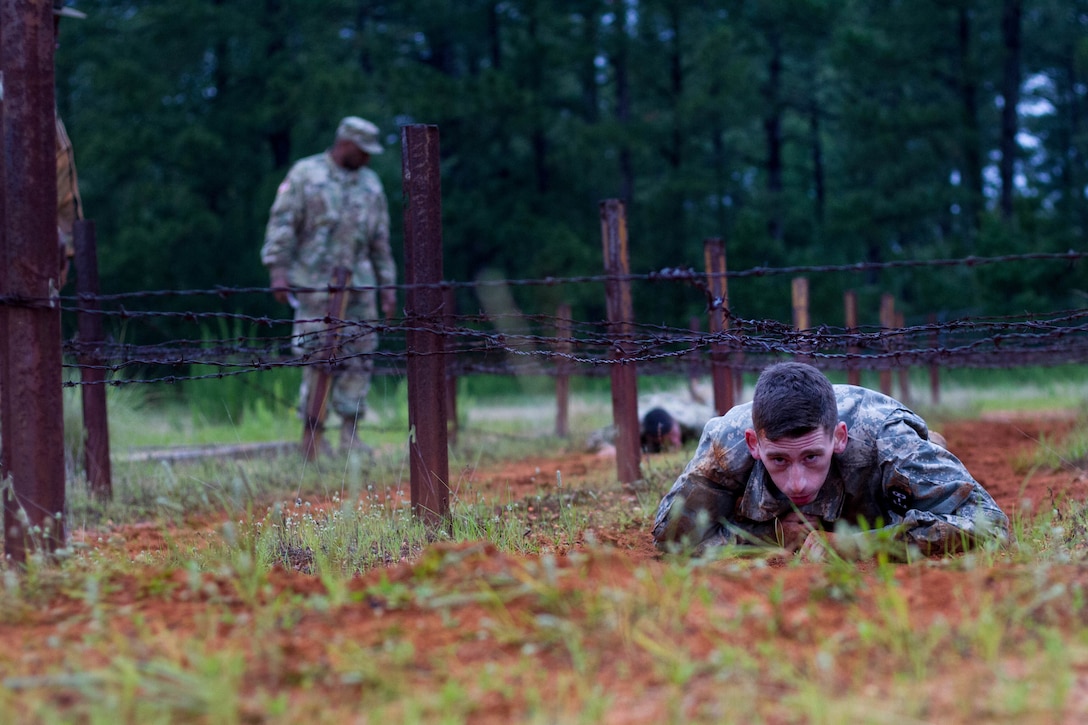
<point>354,362</point>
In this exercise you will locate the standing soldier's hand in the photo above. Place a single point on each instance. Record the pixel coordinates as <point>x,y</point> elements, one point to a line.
<point>389,302</point>
<point>65,261</point>
<point>280,285</point>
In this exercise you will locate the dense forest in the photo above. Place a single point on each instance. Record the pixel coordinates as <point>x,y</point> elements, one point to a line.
<point>800,131</point>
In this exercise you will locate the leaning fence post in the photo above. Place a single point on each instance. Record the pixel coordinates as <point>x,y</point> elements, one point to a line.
<point>562,371</point>
<point>96,429</point>
<point>427,438</point>
<point>720,374</point>
<point>887,322</point>
<point>620,317</point>
<point>33,407</point>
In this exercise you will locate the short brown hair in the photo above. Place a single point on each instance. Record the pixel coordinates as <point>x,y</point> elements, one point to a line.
<point>792,399</point>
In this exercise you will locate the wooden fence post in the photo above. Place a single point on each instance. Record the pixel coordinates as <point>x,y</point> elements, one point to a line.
<point>620,318</point>
<point>850,302</point>
<point>562,371</point>
<point>799,299</point>
<point>902,370</point>
<point>721,375</point>
<point>934,369</point>
<point>887,322</point>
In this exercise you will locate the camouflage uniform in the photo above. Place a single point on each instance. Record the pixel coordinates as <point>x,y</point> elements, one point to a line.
<point>326,216</point>
<point>69,205</point>
<point>890,472</point>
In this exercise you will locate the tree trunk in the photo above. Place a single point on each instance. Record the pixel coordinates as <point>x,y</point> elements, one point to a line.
<point>971,134</point>
<point>772,129</point>
<point>1010,92</point>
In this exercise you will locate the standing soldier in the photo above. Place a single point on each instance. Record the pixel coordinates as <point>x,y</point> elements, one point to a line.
<point>331,212</point>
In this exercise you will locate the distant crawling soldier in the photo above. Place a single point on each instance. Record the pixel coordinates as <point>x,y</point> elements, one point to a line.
<point>667,422</point>
<point>805,454</point>
<point>331,211</point>
<point>660,431</point>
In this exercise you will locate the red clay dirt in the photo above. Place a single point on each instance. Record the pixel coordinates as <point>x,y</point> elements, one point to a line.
<point>165,603</point>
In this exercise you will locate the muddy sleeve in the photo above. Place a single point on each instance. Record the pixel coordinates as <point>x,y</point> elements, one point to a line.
<point>693,512</point>
<point>701,504</point>
<point>931,497</point>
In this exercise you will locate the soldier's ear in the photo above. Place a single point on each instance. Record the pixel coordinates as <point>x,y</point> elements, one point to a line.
<point>752,440</point>
<point>841,437</point>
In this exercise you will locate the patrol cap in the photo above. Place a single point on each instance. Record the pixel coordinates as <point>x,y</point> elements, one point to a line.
<point>360,132</point>
<point>65,12</point>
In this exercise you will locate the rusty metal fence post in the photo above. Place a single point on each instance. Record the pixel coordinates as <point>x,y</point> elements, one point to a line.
<point>96,429</point>
<point>33,408</point>
<point>5,263</point>
<point>427,420</point>
<point>720,374</point>
<point>620,318</point>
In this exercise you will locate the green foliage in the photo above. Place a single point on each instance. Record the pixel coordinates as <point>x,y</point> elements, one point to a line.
<point>800,132</point>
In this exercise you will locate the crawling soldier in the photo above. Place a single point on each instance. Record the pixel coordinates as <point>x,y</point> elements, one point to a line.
<point>803,455</point>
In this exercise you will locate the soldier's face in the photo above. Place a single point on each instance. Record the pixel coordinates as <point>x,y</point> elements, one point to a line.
<point>798,466</point>
<point>353,157</point>
<point>671,440</point>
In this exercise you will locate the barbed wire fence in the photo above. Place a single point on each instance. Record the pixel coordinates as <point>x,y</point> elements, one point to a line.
<point>238,344</point>
<point>484,343</point>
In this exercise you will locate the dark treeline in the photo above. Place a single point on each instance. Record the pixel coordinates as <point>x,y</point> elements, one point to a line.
<point>800,131</point>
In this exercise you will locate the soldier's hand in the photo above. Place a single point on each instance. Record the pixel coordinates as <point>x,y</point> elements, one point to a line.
<point>389,302</point>
<point>280,285</point>
<point>793,531</point>
<point>65,263</point>
<point>817,545</point>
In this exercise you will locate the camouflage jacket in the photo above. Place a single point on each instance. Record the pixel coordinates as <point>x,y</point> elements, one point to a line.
<point>69,205</point>
<point>325,216</point>
<point>890,475</point>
